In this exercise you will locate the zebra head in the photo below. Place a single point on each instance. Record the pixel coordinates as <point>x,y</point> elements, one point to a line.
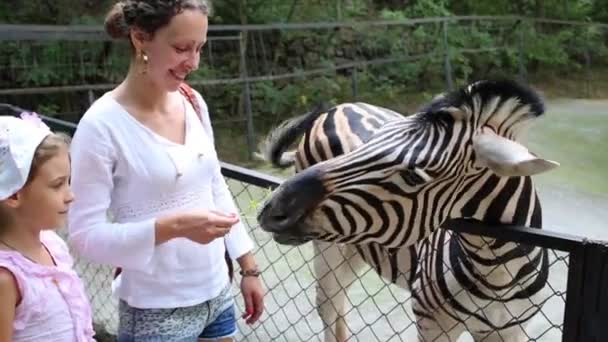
<point>412,174</point>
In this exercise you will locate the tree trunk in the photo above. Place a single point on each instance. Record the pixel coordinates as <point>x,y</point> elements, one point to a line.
<point>291,10</point>
<point>540,8</point>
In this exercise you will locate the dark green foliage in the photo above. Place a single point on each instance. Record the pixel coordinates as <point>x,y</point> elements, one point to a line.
<point>476,49</point>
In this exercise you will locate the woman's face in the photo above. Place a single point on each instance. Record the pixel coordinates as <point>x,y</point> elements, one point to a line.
<point>174,50</point>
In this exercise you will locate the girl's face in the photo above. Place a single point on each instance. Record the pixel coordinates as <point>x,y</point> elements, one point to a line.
<point>43,202</point>
<point>174,50</point>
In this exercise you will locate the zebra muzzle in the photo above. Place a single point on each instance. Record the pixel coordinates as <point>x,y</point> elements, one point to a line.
<point>291,203</point>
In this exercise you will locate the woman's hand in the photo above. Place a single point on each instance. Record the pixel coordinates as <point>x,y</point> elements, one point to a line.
<point>251,288</point>
<point>200,226</point>
<point>206,226</point>
<point>253,296</point>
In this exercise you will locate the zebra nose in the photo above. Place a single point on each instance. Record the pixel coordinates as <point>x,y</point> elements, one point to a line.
<point>291,202</point>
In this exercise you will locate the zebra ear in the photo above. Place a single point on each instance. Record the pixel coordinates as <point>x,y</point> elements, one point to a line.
<point>506,157</point>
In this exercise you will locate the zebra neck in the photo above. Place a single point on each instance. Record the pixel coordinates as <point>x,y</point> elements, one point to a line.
<point>498,200</point>
<point>489,251</point>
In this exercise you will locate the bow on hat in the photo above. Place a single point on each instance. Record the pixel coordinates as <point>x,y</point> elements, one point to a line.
<point>19,139</point>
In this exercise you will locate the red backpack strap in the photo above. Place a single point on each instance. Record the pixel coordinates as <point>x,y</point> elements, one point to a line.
<point>188,93</point>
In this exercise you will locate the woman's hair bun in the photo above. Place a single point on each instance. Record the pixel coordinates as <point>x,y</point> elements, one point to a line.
<point>115,23</point>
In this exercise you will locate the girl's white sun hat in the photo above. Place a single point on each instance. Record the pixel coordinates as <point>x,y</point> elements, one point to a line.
<point>19,139</point>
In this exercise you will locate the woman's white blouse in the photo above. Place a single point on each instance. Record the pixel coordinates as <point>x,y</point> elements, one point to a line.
<point>124,171</point>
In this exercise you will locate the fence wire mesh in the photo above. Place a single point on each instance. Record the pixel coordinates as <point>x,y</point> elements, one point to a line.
<point>375,309</point>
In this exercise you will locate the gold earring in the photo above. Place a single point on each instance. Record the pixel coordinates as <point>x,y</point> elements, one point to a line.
<point>144,59</point>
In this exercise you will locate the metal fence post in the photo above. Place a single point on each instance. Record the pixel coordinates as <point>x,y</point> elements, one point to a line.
<point>587,71</point>
<point>446,53</point>
<point>354,78</point>
<point>246,94</point>
<point>586,311</point>
<point>91,97</point>
<point>210,51</point>
<point>520,52</point>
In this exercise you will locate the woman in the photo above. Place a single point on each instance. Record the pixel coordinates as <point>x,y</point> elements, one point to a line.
<point>142,155</point>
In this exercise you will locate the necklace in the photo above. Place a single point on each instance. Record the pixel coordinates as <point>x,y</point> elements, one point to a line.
<point>54,280</point>
<point>18,251</point>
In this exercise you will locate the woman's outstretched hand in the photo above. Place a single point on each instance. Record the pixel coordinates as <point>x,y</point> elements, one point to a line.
<point>202,226</point>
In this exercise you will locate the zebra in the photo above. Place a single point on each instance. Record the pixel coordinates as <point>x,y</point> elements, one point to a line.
<point>361,169</point>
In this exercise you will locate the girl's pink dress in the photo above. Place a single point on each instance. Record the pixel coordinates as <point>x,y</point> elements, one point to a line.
<point>54,306</point>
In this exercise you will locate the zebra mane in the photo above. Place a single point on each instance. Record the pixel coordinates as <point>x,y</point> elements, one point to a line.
<point>274,148</point>
<point>480,95</point>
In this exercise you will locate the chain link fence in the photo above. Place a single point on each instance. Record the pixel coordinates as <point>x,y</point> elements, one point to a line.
<point>376,310</point>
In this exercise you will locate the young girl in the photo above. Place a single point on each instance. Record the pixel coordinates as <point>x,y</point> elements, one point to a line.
<point>41,297</point>
<point>144,153</point>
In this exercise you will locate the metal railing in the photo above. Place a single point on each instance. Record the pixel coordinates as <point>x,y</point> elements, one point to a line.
<point>250,45</point>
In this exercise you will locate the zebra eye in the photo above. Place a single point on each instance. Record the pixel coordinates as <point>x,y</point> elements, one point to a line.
<point>415,177</point>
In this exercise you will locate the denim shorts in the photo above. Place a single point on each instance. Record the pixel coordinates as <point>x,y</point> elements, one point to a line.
<point>223,326</point>
<point>214,319</point>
